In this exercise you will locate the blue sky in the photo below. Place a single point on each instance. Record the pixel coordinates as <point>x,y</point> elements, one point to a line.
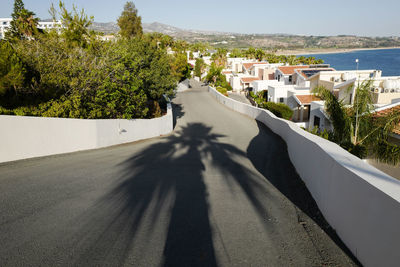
<point>309,17</point>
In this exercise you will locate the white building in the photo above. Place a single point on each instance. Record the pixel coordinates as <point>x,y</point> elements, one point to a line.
<point>5,24</point>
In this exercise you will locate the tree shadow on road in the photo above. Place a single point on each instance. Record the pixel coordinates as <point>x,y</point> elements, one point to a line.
<point>268,153</point>
<point>167,176</point>
<point>177,112</point>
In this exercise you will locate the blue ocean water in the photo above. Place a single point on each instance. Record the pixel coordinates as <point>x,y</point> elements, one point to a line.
<point>387,60</point>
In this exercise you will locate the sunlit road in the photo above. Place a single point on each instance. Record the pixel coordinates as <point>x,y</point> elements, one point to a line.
<point>219,191</point>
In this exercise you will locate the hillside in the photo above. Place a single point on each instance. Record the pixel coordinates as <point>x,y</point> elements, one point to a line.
<point>266,41</point>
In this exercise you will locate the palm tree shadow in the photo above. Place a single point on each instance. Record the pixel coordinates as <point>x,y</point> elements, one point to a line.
<point>177,112</point>
<point>268,153</point>
<point>168,178</point>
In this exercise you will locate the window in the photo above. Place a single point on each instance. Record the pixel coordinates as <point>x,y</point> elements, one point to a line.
<point>317,121</point>
<point>290,78</point>
<point>281,99</point>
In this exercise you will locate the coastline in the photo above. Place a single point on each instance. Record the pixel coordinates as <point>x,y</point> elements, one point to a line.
<point>317,51</point>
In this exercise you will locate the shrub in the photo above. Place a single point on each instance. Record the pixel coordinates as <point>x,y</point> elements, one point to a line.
<point>358,150</point>
<point>222,90</point>
<point>279,109</point>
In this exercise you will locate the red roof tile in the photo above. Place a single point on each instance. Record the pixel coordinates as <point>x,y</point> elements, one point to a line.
<point>289,70</point>
<point>384,112</point>
<point>248,66</point>
<point>307,99</point>
<point>249,79</point>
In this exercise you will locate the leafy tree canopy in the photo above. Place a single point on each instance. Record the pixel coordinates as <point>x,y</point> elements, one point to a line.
<point>129,22</point>
<point>357,128</point>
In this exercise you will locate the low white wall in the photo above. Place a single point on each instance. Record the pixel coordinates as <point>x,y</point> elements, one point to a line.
<point>27,137</point>
<point>360,202</point>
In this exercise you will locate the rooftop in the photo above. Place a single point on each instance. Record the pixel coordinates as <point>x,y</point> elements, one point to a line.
<point>249,79</point>
<point>249,65</point>
<point>306,99</point>
<point>387,110</point>
<point>289,70</point>
<point>307,73</point>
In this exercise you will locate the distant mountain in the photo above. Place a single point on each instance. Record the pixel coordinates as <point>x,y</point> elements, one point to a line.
<point>266,41</point>
<point>107,28</point>
<point>112,27</point>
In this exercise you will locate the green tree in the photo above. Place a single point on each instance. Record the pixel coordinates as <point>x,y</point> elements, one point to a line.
<point>129,22</point>
<point>200,47</point>
<point>215,73</point>
<point>219,58</point>
<point>357,128</point>
<point>199,67</point>
<point>259,54</point>
<point>12,74</point>
<point>180,68</point>
<point>75,28</point>
<point>23,24</point>
<point>236,53</point>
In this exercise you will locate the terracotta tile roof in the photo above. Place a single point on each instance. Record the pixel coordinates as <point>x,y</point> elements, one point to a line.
<point>307,99</point>
<point>384,112</point>
<point>249,79</point>
<point>289,70</point>
<point>248,66</point>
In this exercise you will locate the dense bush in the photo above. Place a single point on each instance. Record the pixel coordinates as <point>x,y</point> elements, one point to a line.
<point>55,76</point>
<point>280,110</point>
<point>222,90</point>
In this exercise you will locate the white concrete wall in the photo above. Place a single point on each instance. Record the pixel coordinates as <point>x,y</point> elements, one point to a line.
<point>360,202</point>
<point>27,137</point>
<point>263,85</point>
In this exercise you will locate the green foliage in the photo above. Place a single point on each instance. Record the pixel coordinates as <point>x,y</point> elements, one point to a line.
<point>180,46</point>
<point>200,47</point>
<point>23,24</point>
<point>58,76</point>
<point>129,22</point>
<point>214,74</point>
<point>338,115</point>
<point>280,110</point>
<point>75,26</point>
<point>358,129</point>
<point>222,90</point>
<point>260,55</point>
<point>219,58</point>
<point>236,53</point>
<point>358,150</point>
<point>180,67</point>
<point>324,134</point>
<point>199,67</point>
<point>16,77</point>
<point>259,98</point>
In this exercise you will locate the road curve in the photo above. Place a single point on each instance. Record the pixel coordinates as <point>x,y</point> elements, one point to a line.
<point>219,191</point>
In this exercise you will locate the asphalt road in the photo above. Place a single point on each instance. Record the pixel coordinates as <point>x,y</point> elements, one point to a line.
<point>219,191</point>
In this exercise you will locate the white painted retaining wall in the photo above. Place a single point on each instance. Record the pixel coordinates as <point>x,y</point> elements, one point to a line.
<point>360,202</point>
<point>27,137</point>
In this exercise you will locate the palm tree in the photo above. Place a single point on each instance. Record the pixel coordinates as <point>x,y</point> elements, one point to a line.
<point>27,23</point>
<point>358,128</point>
<point>220,58</point>
<point>214,73</point>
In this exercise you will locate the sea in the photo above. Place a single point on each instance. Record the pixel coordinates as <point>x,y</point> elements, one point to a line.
<point>387,60</point>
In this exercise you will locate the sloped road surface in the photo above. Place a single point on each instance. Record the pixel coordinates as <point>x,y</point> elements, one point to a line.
<point>219,191</point>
